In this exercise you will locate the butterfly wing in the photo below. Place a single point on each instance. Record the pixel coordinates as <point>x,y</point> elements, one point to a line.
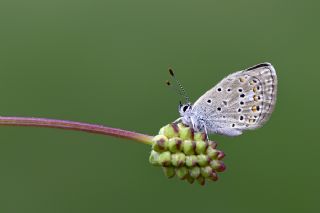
<point>241,101</point>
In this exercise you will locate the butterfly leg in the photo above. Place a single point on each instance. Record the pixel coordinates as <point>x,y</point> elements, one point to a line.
<point>200,126</point>
<point>179,120</point>
<point>193,124</point>
<point>205,130</point>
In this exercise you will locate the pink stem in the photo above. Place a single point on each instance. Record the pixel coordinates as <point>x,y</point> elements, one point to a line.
<point>78,126</point>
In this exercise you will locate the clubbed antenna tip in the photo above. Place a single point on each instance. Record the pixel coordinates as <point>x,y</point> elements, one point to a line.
<point>171,72</point>
<point>178,86</point>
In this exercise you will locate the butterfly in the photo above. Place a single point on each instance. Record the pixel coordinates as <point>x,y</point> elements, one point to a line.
<point>242,101</point>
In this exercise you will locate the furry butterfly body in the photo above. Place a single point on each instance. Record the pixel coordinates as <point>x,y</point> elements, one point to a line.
<point>242,101</point>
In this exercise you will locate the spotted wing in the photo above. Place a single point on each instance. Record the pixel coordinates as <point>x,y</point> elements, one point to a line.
<point>241,101</point>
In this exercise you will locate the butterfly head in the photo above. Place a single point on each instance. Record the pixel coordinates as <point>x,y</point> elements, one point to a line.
<point>185,111</point>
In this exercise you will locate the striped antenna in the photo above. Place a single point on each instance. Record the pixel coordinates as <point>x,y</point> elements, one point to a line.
<point>178,86</point>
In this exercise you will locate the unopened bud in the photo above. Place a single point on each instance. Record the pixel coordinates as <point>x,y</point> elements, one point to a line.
<point>213,176</point>
<point>221,155</point>
<point>170,131</point>
<point>190,179</point>
<point>169,171</point>
<point>212,144</point>
<point>201,180</point>
<point>203,160</point>
<point>200,136</point>
<point>212,153</point>
<point>160,143</point>
<point>175,145</point>
<point>217,165</point>
<point>222,167</point>
<point>201,147</point>
<point>195,172</point>
<point>165,158</point>
<point>154,158</point>
<point>191,160</point>
<point>206,171</point>
<point>178,159</point>
<point>186,133</point>
<point>182,172</point>
<point>188,147</point>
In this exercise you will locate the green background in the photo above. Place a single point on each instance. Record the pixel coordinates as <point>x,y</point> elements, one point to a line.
<point>106,62</point>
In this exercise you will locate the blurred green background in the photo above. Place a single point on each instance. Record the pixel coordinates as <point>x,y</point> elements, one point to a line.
<point>106,62</point>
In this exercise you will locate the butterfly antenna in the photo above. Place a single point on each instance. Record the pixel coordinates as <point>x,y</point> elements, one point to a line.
<point>181,90</point>
<point>174,88</point>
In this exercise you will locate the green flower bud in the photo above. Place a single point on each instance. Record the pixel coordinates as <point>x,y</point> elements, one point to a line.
<point>170,131</point>
<point>206,171</point>
<point>201,180</point>
<point>154,158</point>
<point>217,165</point>
<point>169,171</point>
<point>160,143</point>
<point>213,176</point>
<point>178,159</point>
<point>175,144</point>
<point>212,153</point>
<point>221,155</point>
<point>201,147</point>
<point>182,172</point>
<point>200,136</point>
<point>188,147</point>
<point>202,160</point>
<point>214,164</point>
<point>165,158</point>
<point>222,167</point>
<point>190,179</point>
<point>191,160</point>
<point>195,172</point>
<point>212,144</point>
<point>185,133</point>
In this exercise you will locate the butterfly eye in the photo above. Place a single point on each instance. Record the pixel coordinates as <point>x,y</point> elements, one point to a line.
<point>184,109</point>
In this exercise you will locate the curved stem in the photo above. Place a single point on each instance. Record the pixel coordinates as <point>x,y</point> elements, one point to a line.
<point>72,125</point>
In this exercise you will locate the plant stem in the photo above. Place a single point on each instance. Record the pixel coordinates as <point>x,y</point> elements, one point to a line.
<point>72,125</point>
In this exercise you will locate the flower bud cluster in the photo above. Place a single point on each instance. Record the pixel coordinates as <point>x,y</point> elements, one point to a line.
<point>187,154</point>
